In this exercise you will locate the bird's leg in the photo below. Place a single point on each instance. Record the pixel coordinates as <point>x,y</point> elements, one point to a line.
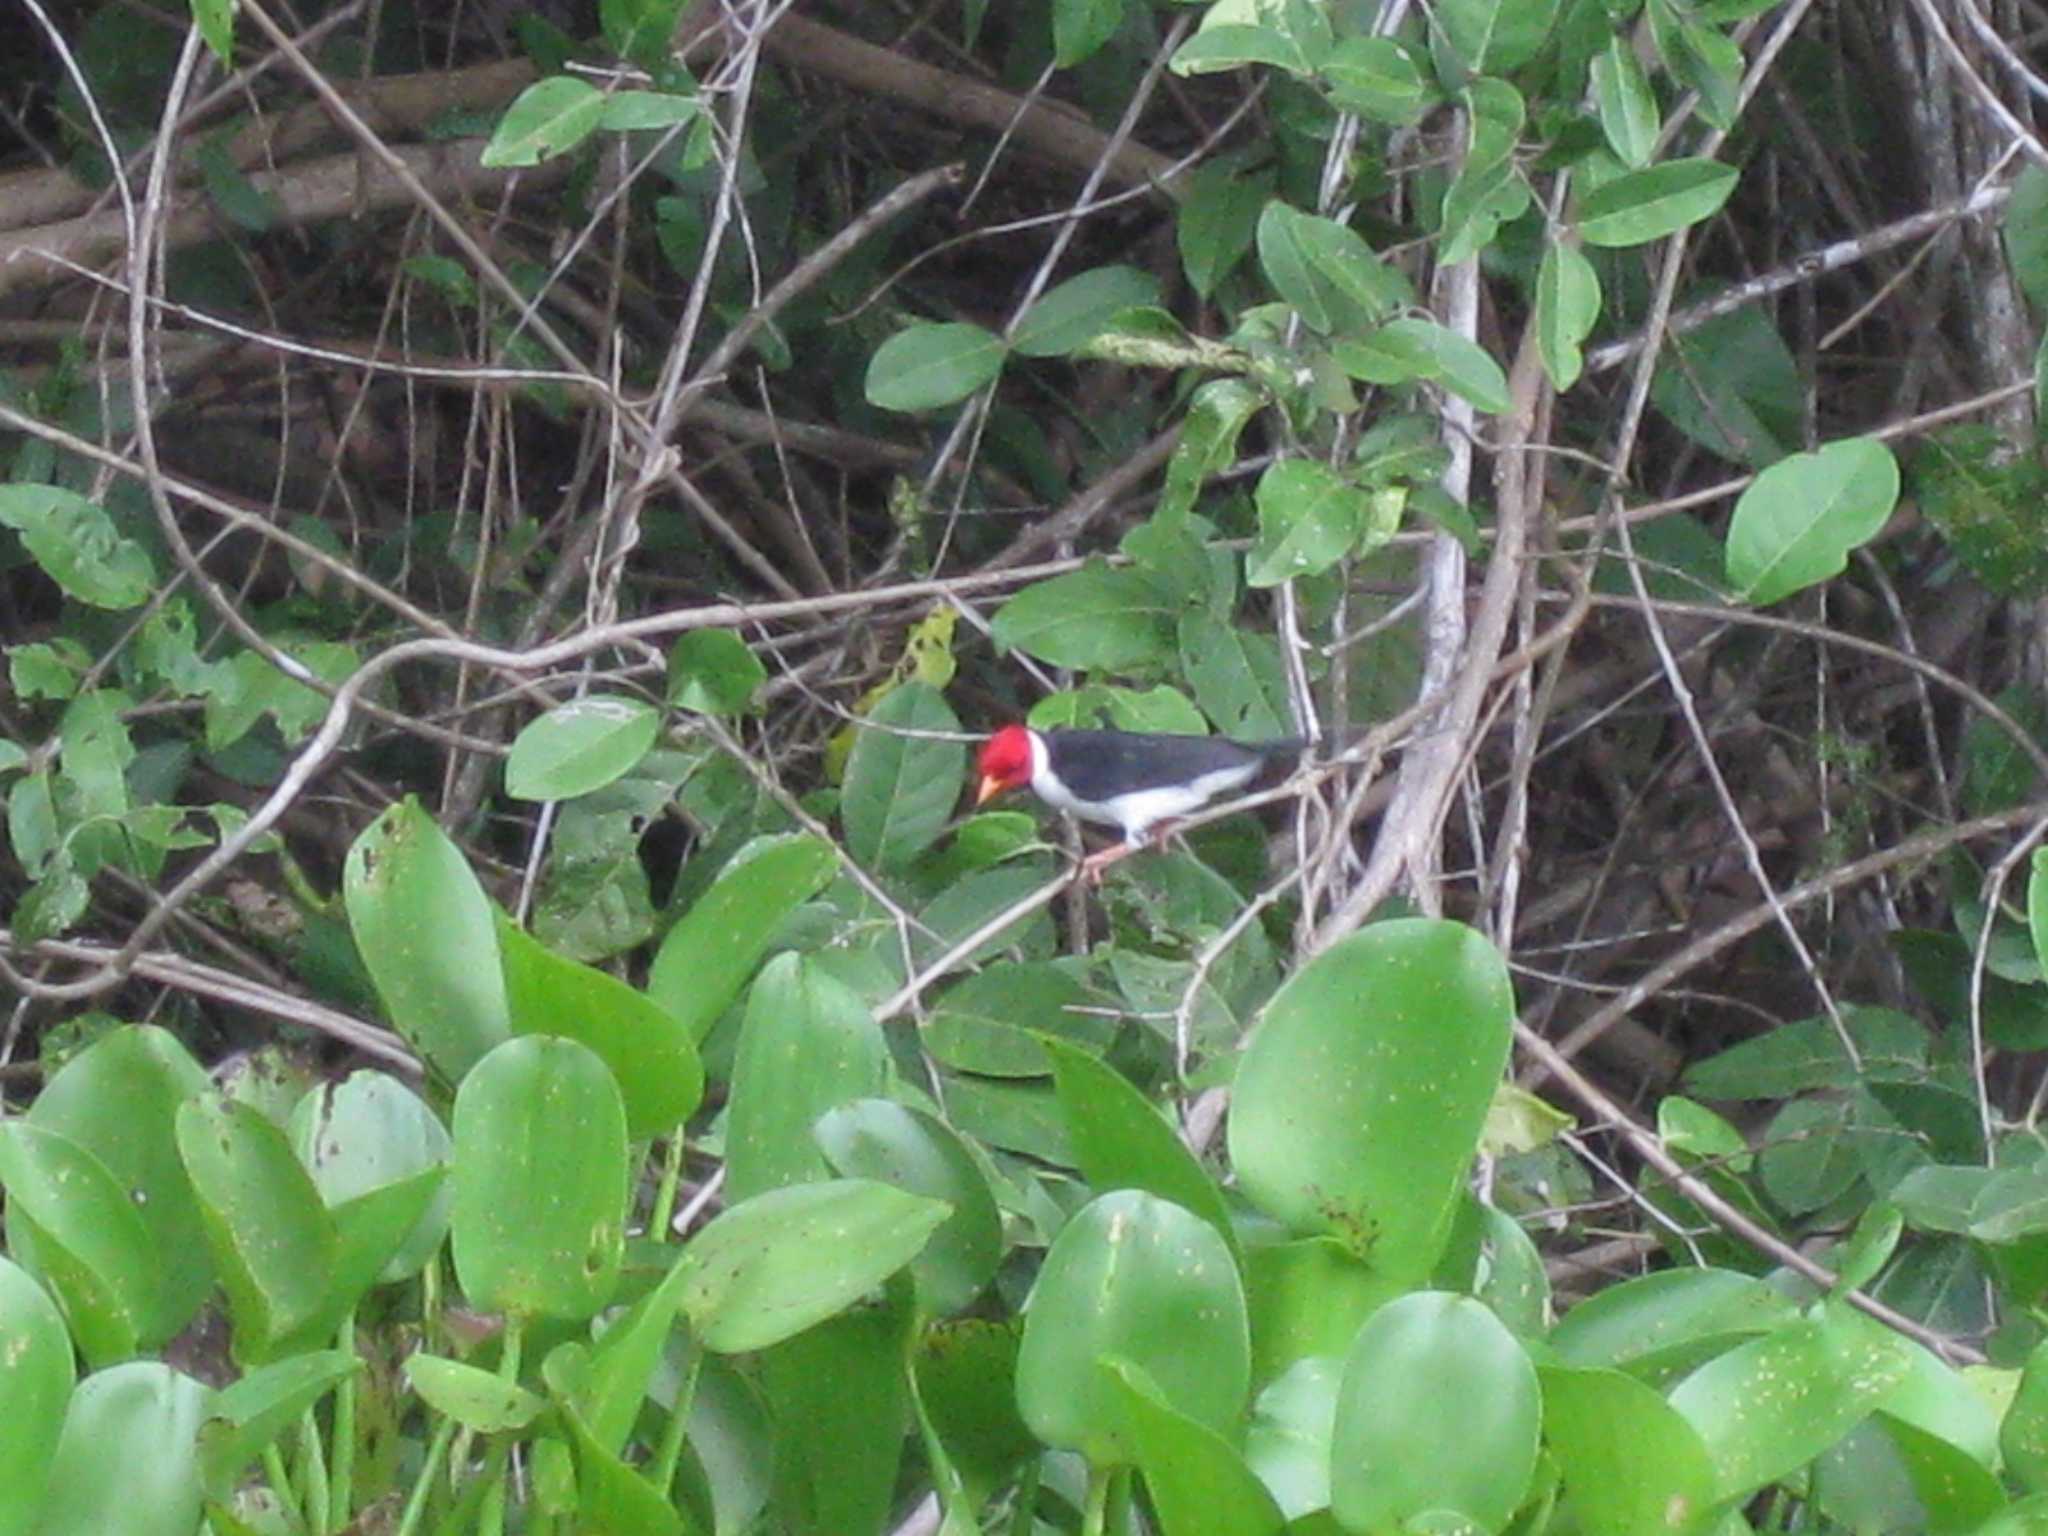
<point>1093,866</point>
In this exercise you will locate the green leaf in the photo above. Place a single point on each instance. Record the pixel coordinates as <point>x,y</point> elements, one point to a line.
<point>1096,617</point>
<point>1308,520</point>
<point>651,1054</point>
<point>1232,45</point>
<point>1494,37</point>
<point>770,1267</point>
<point>911,1150</point>
<point>1375,77</point>
<point>250,1414</point>
<point>2023,1437</point>
<point>77,545</point>
<point>151,1487</point>
<point>706,958</point>
<point>2037,905</point>
<point>930,365</point>
<point>1326,1131</point>
<point>72,1225</point>
<point>1216,416</point>
<point>1670,1320</point>
<point>476,1399</point>
<point>1135,1277</point>
<point>640,30</point>
<point>901,788</point>
<point>1628,108</point>
<point>1796,524</point>
<point>808,1044</point>
<point>1755,1431</point>
<point>1702,59</point>
<point>118,1098</point>
<point>1080,309</point>
<point>992,1022</point>
<point>1218,212</point>
<point>2026,232</point>
<point>364,1135</point>
<point>1733,386</point>
<point>426,934</point>
<point>1806,1055</point>
<point>1238,677</point>
<point>548,118</point>
<point>711,672</point>
<point>272,1239</point>
<point>238,198</point>
<point>844,1381</point>
<point>215,20</point>
<point>1567,308</point>
<point>1489,189</point>
<point>36,1373</point>
<point>1328,273</point>
<point>1631,1465</point>
<point>540,1180</point>
<point>1198,1480</point>
<point>580,746</point>
<point>1428,1371</point>
<point>1414,348</point>
<point>1081,27</point>
<point>632,111</point>
<point>1650,204</point>
<point>1341,256</point>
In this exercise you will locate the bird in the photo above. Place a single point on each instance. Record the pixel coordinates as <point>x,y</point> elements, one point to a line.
<point>1141,783</point>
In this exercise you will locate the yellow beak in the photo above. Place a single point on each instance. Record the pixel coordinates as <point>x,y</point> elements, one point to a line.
<point>990,788</point>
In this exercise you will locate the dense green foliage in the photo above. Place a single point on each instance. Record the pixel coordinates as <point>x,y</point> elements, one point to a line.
<point>510,524</point>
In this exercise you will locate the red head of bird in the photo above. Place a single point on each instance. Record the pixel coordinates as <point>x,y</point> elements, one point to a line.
<point>1005,762</point>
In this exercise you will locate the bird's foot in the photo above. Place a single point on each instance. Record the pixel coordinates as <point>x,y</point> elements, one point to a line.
<point>1092,866</point>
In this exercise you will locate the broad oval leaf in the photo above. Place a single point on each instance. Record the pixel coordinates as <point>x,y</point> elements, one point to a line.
<point>118,1098</point>
<point>1415,348</point>
<point>1631,1464</point>
<point>711,672</point>
<point>629,111</point>
<point>1375,77</point>
<point>128,1461</point>
<point>1096,617</point>
<point>580,746</point>
<point>1081,27</point>
<point>1309,518</point>
<point>1429,1371</point>
<point>474,1398</point>
<point>808,1044</point>
<point>1493,37</point>
<point>894,1144</point>
<point>1771,1405</point>
<point>36,1374</point>
<point>1798,521</point>
<point>1567,307</point>
<point>548,118</point>
<point>426,934</point>
<point>706,958</point>
<point>540,1181</point>
<point>652,1056</point>
<point>1628,108</point>
<point>1139,1278</point>
<point>927,366</point>
<point>901,788</point>
<point>1648,205</point>
<point>770,1267</point>
<point>2023,1436</point>
<point>78,546</point>
<point>1080,309</point>
<point>1331,1128</point>
<point>272,1239</point>
<point>71,1223</point>
<point>1198,1479</point>
<point>368,1133</point>
<point>1232,45</point>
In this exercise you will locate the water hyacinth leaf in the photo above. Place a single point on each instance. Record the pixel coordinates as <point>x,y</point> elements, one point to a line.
<point>540,1182</point>
<point>474,1398</point>
<point>368,1133</point>
<point>1567,307</point>
<point>548,118</point>
<point>1426,1371</point>
<point>902,783</point>
<point>272,1239</point>
<point>991,1022</point>
<point>1326,1132</point>
<point>128,1459</point>
<point>808,1044</point>
<point>78,546</point>
<point>1125,1143</point>
<point>248,1415</point>
<point>711,672</point>
<point>844,1380</point>
<point>426,934</point>
<point>1630,1462</point>
<point>119,1099</point>
<point>580,746</point>
<point>767,1268</point>
<point>1096,617</point>
<point>71,1224</point>
<point>1754,1431</point>
<point>893,1144</point>
<point>650,1052</point>
<point>2023,1436</point>
<point>927,366</point>
<point>1139,1278</point>
<point>1648,205</point>
<point>1078,310</point>
<point>36,1374</point>
<point>706,958</point>
<point>1799,520</point>
<point>1197,1478</point>
<point>1307,1299</point>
